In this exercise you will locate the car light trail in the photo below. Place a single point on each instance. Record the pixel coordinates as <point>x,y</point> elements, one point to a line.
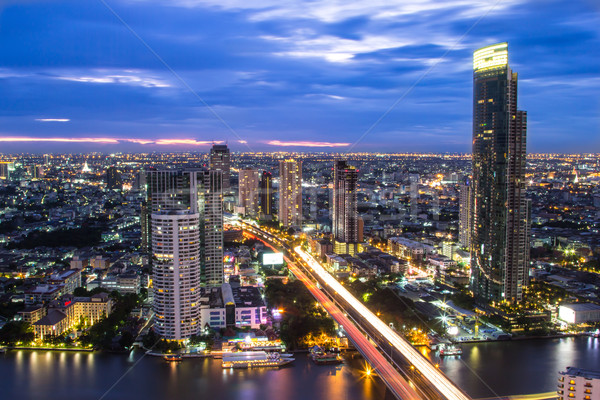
<point>435,376</point>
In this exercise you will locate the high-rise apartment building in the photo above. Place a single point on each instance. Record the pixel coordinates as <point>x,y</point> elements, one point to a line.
<point>186,224</point>
<point>266,195</point>
<point>464,214</point>
<point>176,273</point>
<point>344,207</point>
<point>290,193</point>
<point>220,160</point>
<point>500,211</point>
<point>248,191</point>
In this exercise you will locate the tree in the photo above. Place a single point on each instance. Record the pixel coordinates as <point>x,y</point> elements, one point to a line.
<point>16,331</point>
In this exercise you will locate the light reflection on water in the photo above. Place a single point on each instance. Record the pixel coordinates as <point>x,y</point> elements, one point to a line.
<point>517,367</point>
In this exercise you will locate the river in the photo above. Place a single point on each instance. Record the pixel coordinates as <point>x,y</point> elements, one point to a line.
<point>484,370</point>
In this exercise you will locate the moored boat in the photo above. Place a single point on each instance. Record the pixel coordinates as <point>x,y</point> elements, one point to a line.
<point>173,357</point>
<point>450,350</point>
<point>254,359</point>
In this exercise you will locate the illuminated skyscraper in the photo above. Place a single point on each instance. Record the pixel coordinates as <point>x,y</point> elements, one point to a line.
<point>290,193</point>
<point>266,195</point>
<point>345,214</point>
<point>186,224</point>
<point>248,191</point>
<point>220,160</point>
<point>500,211</point>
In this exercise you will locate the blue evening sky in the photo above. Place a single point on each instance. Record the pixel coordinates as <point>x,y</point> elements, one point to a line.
<point>287,74</point>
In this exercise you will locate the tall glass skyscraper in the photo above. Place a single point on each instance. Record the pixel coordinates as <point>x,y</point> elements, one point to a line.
<point>500,226</point>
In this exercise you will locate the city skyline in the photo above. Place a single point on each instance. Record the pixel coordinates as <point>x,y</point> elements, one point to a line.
<point>280,82</point>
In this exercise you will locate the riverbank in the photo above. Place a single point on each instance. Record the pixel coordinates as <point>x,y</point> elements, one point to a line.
<point>73,349</point>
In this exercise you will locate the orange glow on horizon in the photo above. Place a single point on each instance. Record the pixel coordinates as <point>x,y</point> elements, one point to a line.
<point>306,144</point>
<point>192,142</point>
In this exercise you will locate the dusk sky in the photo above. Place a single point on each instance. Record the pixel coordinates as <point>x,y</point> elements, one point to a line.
<point>134,75</point>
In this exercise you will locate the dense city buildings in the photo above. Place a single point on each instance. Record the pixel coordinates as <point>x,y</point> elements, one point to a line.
<point>344,208</point>
<point>248,193</point>
<point>266,195</point>
<point>499,210</point>
<point>220,160</point>
<point>290,193</point>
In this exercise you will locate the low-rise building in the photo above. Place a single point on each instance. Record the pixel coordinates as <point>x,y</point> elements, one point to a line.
<point>33,314</point>
<point>228,306</point>
<point>69,311</point>
<point>70,279</point>
<point>42,294</point>
<point>579,313</point>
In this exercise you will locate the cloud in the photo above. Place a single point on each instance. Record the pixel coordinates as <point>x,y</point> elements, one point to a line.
<point>52,119</point>
<point>306,144</point>
<point>126,77</point>
<point>191,142</point>
<point>338,10</point>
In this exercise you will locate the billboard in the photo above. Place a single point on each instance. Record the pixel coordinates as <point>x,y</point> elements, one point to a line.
<point>272,258</point>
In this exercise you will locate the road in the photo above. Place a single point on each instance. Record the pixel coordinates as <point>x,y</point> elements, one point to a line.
<point>394,381</point>
<point>432,383</point>
<point>441,383</point>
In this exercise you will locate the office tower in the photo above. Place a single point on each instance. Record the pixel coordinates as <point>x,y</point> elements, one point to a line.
<point>290,193</point>
<point>345,214</point>
<point>248,191</point>
<point>464,214</point>
<point>266,195</point>
<point>186,225</point>
<point>220,160</point>
<point>46,159</point>
<point>113,179</point>
<point>500,211</point>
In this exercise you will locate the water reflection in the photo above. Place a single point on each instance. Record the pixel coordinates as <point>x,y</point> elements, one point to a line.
<point>517,367</point>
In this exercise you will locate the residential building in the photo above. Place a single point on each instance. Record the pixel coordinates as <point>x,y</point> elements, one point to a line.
<point>248,191</point>
<point>290,193</point>
<point>344,207</point>
<point>499,241</point>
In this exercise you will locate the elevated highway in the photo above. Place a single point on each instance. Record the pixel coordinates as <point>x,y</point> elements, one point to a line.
<point>430,382</point>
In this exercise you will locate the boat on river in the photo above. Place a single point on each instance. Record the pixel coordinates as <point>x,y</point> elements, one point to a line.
<point>322,357</point>
<point>173,357</point>
<point>450,350</point>
<point>255,359</point>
